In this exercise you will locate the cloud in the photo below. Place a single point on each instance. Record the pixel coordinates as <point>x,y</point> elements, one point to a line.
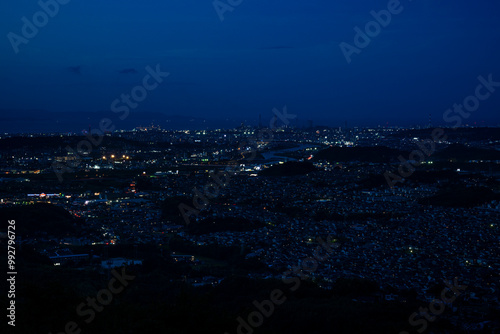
<point>75,69</point>
<point>182,83</point>
<point>128,71</point>
<point>276,47</point>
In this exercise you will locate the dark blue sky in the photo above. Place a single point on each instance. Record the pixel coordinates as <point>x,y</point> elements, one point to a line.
<point>264,54</point>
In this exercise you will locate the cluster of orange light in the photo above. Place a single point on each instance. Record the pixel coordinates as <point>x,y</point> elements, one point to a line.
<point>113,156</point>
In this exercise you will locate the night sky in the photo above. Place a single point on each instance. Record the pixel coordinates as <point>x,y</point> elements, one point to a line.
<point>264,54</point>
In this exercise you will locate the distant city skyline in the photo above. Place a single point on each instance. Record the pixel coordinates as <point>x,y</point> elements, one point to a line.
<point>15,121</point>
